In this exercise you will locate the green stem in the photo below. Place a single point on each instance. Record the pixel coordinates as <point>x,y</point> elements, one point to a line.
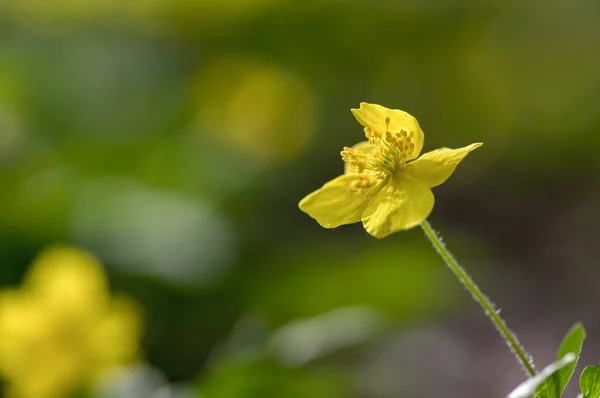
<point>485,303</point>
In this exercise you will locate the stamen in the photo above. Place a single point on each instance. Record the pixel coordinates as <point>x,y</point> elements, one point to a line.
<point>393,149</point>
<point>384,158</point>
<point>363,182</point>
<point>371,135</point>
<point>390,150</point>
<point>352,156</point>
<point>389,138</point>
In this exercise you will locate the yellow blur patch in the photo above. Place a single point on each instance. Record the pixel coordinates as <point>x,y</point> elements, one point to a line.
<point>62,329</point>
<point>261,110</point>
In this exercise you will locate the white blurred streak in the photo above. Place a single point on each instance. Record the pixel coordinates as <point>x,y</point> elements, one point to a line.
<point>152,232</point>
<point>528,387</point>
<point>396,365</point>
<point>246,341</point>
<point>305,340</point>
<point>139,382</point>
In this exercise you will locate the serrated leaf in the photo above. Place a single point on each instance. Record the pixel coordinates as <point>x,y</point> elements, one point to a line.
<point>529,386</point>
<point>589,382</point>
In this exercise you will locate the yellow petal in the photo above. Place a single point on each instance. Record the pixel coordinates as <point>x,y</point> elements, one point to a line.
<point>69,280</point>
<point>402,204</point>
<point>433,168</point>
<point>115,337</point>
<point>363,147</point>
<point>374,117</point>
<point>336,203</point>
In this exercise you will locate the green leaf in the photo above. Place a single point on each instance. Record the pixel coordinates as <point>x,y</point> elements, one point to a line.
<point>550,387</point>
<point>572,343</point>
<point>539,382</point>
<point>589,382</point>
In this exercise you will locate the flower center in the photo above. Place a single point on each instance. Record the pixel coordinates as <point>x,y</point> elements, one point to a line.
<point>389,152</point>
<point>393,149</point>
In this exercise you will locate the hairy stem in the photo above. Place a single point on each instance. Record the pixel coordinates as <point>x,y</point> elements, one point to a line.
<point>485,303</point>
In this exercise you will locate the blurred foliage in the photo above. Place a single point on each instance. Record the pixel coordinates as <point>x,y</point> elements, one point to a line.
<point>173,139</point>
<point>265,378</point>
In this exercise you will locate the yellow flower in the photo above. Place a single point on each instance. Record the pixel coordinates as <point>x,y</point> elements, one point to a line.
<point>385,184</point>
<point>62,330</point>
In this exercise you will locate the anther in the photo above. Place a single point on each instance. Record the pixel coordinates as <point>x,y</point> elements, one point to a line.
<point>363,182</point>
<point>352,156</point>
<point>347,154</point>
<point>371,135</point>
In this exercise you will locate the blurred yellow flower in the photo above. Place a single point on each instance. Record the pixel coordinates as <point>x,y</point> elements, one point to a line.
<point>384,184</point>
<point>261,109</point>
<point>62,330</point>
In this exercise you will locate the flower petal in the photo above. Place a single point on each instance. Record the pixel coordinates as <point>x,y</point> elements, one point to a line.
<point>374,117</point>
<point>336,203</point>
<point>402,204</point>
<point>433,168</point>
<point>363,147</point>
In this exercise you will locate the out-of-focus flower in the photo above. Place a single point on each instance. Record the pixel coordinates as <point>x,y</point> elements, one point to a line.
<point>262,110</point>
<point>61,330</point>
<point>384,184</point>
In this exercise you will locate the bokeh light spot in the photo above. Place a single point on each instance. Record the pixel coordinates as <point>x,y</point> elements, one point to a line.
<point>262,110</point>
